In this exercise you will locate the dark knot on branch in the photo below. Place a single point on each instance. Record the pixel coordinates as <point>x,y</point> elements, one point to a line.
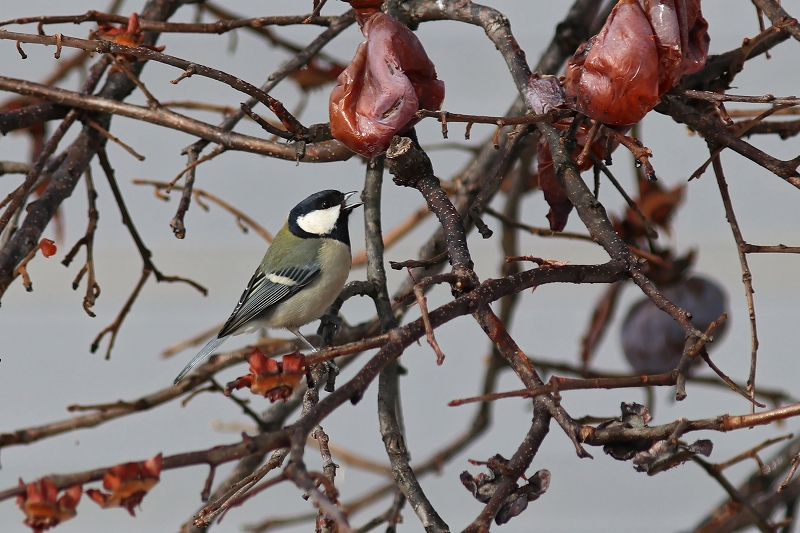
<point>407,162</point>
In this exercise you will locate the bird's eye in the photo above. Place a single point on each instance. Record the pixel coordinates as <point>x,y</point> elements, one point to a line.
<point>325,205</point>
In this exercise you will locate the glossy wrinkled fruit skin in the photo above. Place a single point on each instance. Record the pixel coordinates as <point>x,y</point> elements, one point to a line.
<point>653,342</point>
<point>644,48</point>
<point>389,79</point>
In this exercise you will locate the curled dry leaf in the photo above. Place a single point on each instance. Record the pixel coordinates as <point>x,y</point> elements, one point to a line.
<point>656,203</point>
<point>648,455</point>
<point>484,485</point>
<point>545,93</point>
<point>269,378</point>
<point>47,247</point>
<point>389,79</point>
<point>128,483</point>
<point>43,508</point>
<point>634,415</point>
<point>664,455</point>
<point>317,73</point>
<point>644,48</point>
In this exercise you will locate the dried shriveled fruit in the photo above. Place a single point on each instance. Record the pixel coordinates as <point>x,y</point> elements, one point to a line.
<point>389,79</point>
<point>653,341</point>
<point>644,48</point>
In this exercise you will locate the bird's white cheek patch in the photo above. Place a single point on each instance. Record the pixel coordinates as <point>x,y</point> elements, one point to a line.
<point>282,280</point>
<point>319,222</point>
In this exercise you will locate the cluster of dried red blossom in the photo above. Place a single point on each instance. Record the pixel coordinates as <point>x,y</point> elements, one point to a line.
<point>269,378</point>
<point>127,484</point>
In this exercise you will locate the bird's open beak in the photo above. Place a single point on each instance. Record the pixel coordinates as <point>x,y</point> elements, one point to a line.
<point>350,207</point>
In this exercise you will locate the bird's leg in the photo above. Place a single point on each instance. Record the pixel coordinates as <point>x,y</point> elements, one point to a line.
<point>329,326</point>
<point>302,338</point>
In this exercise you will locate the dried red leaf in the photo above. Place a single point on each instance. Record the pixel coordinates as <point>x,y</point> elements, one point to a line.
<point>38,135</point>
<point>554,193</point>
<point>389,79</point>
<point>644,48</point>
<point>269,378</point>
<point>42,507</point>
<point>128,483</point>
<point>130,35</point>
<point>657,204</point>
<point>317,73</point>
<point>48,247</point>
<point>598,325</point>
<point>37,132</point>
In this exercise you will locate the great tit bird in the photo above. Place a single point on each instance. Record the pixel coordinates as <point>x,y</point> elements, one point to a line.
<point>302,273</point>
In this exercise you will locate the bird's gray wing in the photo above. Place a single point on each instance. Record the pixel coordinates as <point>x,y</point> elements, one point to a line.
<point>266,289</point>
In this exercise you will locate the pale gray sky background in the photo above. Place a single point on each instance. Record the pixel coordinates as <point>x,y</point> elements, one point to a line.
<point>46,364</point>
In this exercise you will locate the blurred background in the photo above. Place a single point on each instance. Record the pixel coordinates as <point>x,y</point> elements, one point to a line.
<point>45,335</point>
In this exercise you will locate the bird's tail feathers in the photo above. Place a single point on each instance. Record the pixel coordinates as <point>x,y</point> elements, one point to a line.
<point>209,348</point>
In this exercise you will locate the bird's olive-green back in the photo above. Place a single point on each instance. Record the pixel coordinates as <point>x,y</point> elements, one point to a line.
<point>288,250</point>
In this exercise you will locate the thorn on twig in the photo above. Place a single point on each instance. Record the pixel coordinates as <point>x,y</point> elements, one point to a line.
<point>423,308</point>
<point>315,13</point>
<point>443,120</point>
<point>790,475</point>
<point>21,52</point>
<point>483,229</point>
<point>114,139</point>
<point>589,141</point>
<point>496,138</point>
<point>188,73</point>
<point>22,270</point>
<point>209,482</point>
<point>58,37</point>
<point>425,263</point>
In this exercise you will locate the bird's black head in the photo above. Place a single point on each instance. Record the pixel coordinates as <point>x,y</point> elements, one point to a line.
<point>323,214</point>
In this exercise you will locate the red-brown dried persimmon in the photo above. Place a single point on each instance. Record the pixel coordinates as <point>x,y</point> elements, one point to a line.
<point>389,79</point>
<point>642,51</point>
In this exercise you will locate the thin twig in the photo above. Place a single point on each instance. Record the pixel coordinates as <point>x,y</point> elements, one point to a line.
<point>747,276</point>
<point>92,287</point>
<point>241,217</point>
<point>114,139</point>
<point>761,522</point>
<point>750,454</point>
<point>423,309</point>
